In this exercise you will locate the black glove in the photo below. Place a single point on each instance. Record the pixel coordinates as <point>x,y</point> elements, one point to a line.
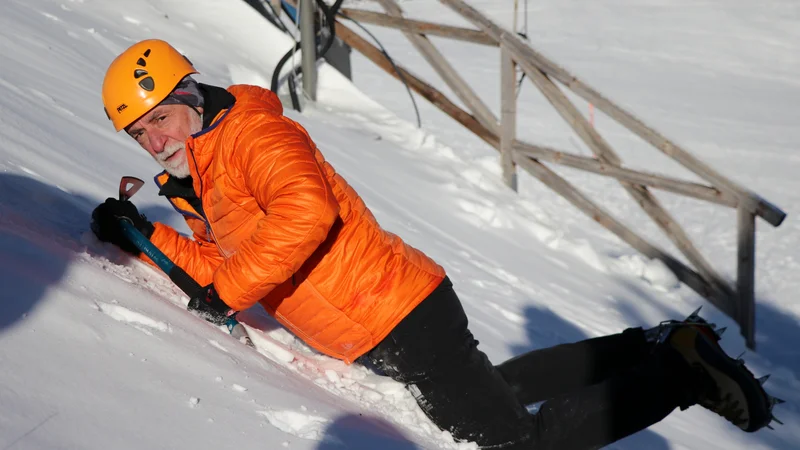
<point>210,307</point>
<point>105,223</point>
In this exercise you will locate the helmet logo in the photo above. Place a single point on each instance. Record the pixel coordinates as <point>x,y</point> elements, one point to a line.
<point>121,108</point>
<point>147,83</point>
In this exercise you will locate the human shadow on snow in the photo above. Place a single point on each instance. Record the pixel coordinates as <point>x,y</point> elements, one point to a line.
<point>546,329</point>
<point>41,228</point>
<point>777,336</point>
<point>39,234</point>
<point>777,333</point>
<point>357,432</point>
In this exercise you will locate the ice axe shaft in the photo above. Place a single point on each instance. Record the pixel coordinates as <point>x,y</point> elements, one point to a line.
<point>179,276</point>
<point>129,186</point>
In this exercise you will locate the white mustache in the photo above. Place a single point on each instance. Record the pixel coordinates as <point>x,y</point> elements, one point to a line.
<point>169,151</point>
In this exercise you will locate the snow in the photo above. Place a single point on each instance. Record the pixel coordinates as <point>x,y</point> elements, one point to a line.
<point>97,352</point>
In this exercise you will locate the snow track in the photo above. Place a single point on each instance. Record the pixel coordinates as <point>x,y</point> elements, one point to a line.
<point>97,350</point>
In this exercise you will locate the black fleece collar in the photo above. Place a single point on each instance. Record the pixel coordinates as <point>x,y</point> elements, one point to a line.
<point>182,188</point>
<point>177,187</point>
<point>215,99</point>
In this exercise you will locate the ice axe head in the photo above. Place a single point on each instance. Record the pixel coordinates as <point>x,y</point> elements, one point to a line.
<point>129,186</point>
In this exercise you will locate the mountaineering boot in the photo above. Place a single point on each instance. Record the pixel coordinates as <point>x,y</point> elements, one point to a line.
<point>736,394</point>
<point>733,392</point>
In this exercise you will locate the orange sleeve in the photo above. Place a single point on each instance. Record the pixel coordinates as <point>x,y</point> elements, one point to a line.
<point>197,257</point>
<point>280,170</point>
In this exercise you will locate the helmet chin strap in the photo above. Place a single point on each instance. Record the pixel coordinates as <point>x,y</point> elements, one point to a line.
<point>196,110</point>
<point>182,100</point>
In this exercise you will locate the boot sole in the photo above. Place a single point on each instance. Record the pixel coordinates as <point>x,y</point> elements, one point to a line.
<point>734,378</point>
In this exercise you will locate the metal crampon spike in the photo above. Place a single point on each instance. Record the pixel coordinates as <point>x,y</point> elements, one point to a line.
<point>773,429</point>
<point>774,419</point>
<point>695,314</point>
<point>777,401</point>
<point>772,401</point>
<point>764,379</point>
<point>721,331</point>
<point>740,355</point>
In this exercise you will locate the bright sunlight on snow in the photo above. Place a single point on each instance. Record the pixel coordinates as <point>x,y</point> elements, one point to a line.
<point>97,352</point>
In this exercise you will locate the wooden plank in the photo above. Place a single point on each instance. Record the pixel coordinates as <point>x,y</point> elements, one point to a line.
<point>640,193</point>
<point>448,74</point>
<point>574,196</point>
<point>420,27</point>
<point>523,52</point>
<point>745,280</point>
<point>441,101</point>
<point>508,118</point>
<point>427,91</point>
<point>550,178</point>
<point>593,165</point>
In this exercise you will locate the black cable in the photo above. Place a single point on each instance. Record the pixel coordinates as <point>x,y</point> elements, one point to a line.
<point>330,18</point>
<point>293,93</point>
<point>276,73</point>
<point>264,11</point>
<point>277,16</point>
<point>523,34</point>
<point>391,61</point>
<point>522,77</point>
<point>279,66</point>
<point>329,14</point>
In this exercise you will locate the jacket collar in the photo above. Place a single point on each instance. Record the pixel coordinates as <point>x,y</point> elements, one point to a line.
<point>180,194</point>
<point>176,187</point>
<point>215,101</point>
<point>217,104</point>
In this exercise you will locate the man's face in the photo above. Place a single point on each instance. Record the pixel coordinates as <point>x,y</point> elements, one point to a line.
<point>163,132</point>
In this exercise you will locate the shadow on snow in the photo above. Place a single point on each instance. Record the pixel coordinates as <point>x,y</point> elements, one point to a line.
<point>41,228</point>
<point>357,432</point>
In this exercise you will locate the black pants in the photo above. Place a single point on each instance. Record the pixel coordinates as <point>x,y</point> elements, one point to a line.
<point>597,391</point>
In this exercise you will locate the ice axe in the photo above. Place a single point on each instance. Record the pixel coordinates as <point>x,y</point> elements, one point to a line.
<point>128,186</point>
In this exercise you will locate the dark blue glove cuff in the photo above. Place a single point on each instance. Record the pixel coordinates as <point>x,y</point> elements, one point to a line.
<point>208,304</point>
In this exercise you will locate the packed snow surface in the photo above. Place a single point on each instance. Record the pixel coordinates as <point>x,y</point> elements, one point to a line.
<point>97,352</point>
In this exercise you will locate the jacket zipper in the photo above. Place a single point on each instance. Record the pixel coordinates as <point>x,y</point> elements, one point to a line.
<point>209,229</point>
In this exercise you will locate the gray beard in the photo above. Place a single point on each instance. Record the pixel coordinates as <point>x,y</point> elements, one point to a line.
<point>177,172</point>
<point>183,170</point>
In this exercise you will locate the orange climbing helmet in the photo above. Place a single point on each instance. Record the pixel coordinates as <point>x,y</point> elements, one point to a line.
<point>140,78</point>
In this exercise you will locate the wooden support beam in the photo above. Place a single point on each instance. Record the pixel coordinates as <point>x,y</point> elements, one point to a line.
<point>508,118</point>
<point>593,165</point>
<point>422,88</point>
<point>419,27</point>
<point>574,196</point>
<point>441,101</point>
<point>745,281</point>
<point>523,52</point>
<point>448,74</point>
<point>640,193</point>
<point>547,176</point>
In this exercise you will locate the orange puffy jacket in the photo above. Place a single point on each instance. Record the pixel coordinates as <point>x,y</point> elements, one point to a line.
<point>284,229</point>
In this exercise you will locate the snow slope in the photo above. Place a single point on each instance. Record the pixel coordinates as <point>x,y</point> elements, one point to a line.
<point>96,352</point>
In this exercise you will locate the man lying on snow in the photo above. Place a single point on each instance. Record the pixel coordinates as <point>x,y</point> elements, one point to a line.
<point>274,224</point>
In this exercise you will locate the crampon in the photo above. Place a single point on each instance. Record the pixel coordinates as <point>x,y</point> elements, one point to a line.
<point>734,393</point>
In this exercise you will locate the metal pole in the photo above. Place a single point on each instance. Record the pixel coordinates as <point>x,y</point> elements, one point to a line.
<point>308,45</point>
